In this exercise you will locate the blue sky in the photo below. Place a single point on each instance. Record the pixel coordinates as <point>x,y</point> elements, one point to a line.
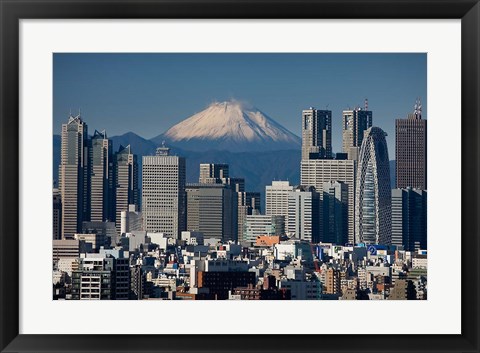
<point>148,93</point>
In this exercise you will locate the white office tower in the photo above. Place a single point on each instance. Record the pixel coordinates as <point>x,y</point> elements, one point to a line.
<point>276,199</point>
<point>316,134</point>
<point>316,172</point>
<point>101,178</point>
<point>73,176</point>
<point>373,193</point>
<point>163,193</point>
<point>304,214</point>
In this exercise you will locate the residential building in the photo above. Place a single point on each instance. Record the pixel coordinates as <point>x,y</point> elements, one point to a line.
<point>101,277</point>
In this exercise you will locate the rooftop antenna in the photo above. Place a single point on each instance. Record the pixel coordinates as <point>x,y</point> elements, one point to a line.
<point>417,112</point>
<point>419,108</point>
<point>70,111</point>
<point>366,103</point>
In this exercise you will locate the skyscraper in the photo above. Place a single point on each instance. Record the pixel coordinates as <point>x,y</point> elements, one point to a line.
<point>316,172</point>
<point>212,210</point>
<point>373,192</point>
<point>213,172</point>
<point>354,123</point>
<point>276,199</point>
<point>335,212</point>
<point>163,193</point>
<point>126,182</point>
<point>73,176</point>
<point>57,215</point>
<point>101,178</point>
<point>411,150</point>
<point>409,218</point>
<point>248,204</point>
<point>316,134</point>
<point>257,225</point>
<point>304,213</point>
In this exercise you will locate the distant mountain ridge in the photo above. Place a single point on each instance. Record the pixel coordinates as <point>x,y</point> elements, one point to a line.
<point>258,168</point>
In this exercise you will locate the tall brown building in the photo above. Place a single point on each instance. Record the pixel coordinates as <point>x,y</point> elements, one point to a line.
<point>411,150</point>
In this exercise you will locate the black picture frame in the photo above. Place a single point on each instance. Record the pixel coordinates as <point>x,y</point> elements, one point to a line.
<point>11,11</point>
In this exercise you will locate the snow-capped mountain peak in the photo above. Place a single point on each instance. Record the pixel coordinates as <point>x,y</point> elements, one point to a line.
<point>233,122</point>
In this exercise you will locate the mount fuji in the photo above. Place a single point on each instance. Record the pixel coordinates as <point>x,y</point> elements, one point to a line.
<point>230,126</point>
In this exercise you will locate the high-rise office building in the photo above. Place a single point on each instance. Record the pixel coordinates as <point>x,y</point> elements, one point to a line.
<point>304,213</point>
<point>212,210</point>
<point>411,150</point>
<point>237,184</point>
<point>316,134</point>
<point>258,225</point>
<point>57,214</point>
<point>213,173</point>
<point>73,176</point>
<point>335,212</point>
<point>276,199</point>
<point>373,192</point>
<point>248,204</point>
<point>101,178</point>
<point>126,183</point>
<point>354,123</point>
<point>409,218</point>
<point>163,193</point>
<point>316,172</point>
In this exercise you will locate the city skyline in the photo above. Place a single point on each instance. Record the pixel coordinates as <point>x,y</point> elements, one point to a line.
<point>159,90</point>
<point>135,226</point>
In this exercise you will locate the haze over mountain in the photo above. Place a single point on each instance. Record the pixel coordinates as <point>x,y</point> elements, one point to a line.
<point>230,126</point>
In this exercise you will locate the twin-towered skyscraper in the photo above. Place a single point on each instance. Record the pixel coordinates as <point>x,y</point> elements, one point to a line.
<point>363,169</point>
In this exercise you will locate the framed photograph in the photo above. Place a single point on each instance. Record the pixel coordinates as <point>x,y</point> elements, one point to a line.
<point>205,156</point>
